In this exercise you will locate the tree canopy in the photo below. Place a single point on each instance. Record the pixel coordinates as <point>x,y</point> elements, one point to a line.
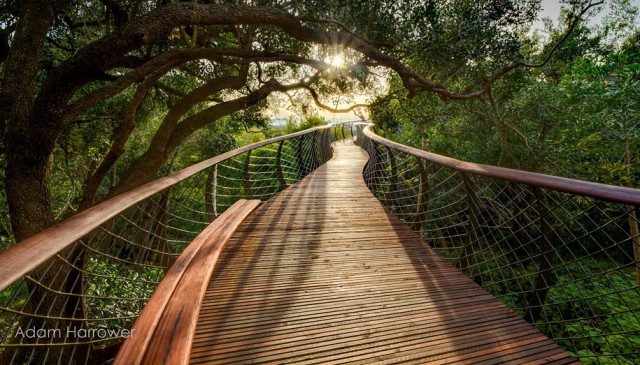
<point>99,96</point>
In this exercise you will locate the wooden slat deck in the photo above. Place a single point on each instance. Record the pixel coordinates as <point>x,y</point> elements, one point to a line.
<point>323,274</point>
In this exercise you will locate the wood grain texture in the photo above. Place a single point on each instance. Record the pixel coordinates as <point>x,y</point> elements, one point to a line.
<point>323,274</point>
<point>18,260</point>
<point>164,330</point>
<point>618,194</point>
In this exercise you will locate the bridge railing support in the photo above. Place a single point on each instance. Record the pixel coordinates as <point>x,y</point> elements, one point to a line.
<point>561,253</point>
<point>342,131</point>
<point>97,269</point>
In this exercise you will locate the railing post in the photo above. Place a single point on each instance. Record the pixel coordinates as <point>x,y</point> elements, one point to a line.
<point>320,152</point>
<point>393,193</point>
<point>210,193</point>
<point>74,307</point>
<point>302,170</point>
<point>518,223</point>
<point>343,137</point>
<point>246,177</point>
<point>283,182</point>
<point>423,191</point>
<point>544,279</point>
<point>632,220</point>
<point>314,151</point>
<point>327,151</point>
<point>374,161</point>
<point>474,225</point>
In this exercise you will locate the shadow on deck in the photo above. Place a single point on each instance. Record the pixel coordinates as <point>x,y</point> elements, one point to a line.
<point>323,273</point>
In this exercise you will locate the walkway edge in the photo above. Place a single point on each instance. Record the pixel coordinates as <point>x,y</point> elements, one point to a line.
<point>165,329</point>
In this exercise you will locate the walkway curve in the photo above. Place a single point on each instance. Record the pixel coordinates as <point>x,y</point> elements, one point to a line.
<point>323,273</point>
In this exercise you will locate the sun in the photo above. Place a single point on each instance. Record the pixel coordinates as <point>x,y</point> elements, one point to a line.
<point>337,61</point>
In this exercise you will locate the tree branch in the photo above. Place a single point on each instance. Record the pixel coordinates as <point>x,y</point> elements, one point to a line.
<point>106,52</point>
<point>346,28</point>
<point>171,58</point>
<point>120,137</point>
<point>169,90</point>
<point>577,18</point>
<point>319,104</point>
<point>171,120</point>
<point>189,125</point>
<point>177,57</point>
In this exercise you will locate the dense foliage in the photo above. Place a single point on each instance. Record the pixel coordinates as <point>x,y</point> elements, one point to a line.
<point>577,117</point>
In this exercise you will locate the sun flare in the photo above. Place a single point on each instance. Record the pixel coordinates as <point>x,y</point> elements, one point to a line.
<point>336,61</point>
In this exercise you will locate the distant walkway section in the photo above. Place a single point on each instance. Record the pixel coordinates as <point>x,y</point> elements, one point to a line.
<point>323,274</point>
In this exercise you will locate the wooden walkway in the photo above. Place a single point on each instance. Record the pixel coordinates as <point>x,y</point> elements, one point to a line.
<point>322,273</point>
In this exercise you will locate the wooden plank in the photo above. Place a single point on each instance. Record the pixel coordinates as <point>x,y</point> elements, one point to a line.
<point>174,306</point>
<point>311,277</point>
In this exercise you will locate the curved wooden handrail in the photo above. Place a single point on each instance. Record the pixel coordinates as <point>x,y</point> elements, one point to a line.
<point>164,331</point>
<point>617,194</point>
<point>26,255</point>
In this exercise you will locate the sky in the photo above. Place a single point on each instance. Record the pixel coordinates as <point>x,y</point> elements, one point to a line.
<point>550,9</point>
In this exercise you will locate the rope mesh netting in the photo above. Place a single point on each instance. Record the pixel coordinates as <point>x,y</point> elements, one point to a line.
<point>76,307</point>
<point>562,261</point>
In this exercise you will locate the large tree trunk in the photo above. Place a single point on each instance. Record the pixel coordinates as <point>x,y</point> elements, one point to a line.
<point>27,185</point>
<point>28,195</point>
<point>29,138</point>
<point>28,145</point>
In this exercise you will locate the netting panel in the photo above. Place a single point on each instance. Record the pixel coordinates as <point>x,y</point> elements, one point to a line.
<point>77,307</point>
<point>564,262</point>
